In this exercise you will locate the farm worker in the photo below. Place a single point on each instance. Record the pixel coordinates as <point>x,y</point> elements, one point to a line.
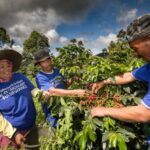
<point>139,40</point>
<point>17,111</point>
<point>51,80</point>
<point>139,32</point>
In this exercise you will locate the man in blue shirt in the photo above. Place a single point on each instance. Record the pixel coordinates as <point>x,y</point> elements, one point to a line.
<point>51,80</point>
<point>139,33</point>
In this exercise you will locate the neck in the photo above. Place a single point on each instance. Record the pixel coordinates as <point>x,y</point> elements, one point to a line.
<point>4,80</point>
<point>48,71</point>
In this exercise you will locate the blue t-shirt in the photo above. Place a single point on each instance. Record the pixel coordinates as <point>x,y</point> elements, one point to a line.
<point>46,81</point>
<point>16,103</point>
<point>143,74</point>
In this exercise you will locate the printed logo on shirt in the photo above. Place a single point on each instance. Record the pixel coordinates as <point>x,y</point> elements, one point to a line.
<point>12,89</point>
<point>57,81</point>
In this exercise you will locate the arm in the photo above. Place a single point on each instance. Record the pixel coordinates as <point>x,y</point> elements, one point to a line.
<point>117,80</point>
<point>6,128</point>
<point>120,79</point>
<point>137,113</point>
<point>62,92</point>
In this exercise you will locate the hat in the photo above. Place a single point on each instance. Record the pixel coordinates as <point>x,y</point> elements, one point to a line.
<point>139,28</point>
<point>40,56</point>
<point>12,55</point>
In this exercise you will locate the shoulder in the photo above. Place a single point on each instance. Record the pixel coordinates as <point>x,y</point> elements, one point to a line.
<point>40,76</point>
<point>56,70</point>
<point>145,67</point>
<point>19,75</point>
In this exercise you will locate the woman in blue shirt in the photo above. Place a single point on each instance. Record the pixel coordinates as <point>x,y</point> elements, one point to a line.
<point>17,111</point>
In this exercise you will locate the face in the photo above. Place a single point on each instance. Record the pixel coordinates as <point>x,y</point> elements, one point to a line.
<point>142,48</point>
<point>46,65</point>
<point>6,67</point>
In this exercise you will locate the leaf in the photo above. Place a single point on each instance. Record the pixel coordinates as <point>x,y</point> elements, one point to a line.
<point>105,136</point>
<point>63,103</point>
<point>77,137</point>
<point>113,140</point>
<point>137,100</point>
<point>124,99</point>
<point>82,142</point>
<point>35,92</point>
<point>62,71</point>
<point>91,134</point>
<point>108,122</point>
<point>127,133</point>
<point>60,141</point>
<point>97,122</point>
<point>121,143</point>
<point>127,89</point>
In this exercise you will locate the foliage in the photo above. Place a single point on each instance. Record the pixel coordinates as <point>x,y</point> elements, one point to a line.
<point>76,129</point>
<point>35,41</point>
<point>4,37</point>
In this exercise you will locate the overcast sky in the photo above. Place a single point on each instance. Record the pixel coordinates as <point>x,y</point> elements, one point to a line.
<point>95,22</point>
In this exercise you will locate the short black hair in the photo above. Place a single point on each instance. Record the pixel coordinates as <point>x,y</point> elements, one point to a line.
<point>139,28</point>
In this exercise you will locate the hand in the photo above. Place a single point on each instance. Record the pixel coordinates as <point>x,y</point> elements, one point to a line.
<point>69,82</point>
<point>97,86</point>
<point>19,138</point>
<point>98,111</point>
<point>46,95</point>
<point>80,93</point>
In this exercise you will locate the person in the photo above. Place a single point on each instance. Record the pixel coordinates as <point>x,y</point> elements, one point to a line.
<point>139,41</point>
<point>51,80</point>
<point>17,110</point>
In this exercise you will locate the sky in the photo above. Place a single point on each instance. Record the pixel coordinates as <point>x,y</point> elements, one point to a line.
<point>95,22</point>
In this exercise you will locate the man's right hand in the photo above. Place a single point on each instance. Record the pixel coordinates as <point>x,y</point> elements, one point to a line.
<point>19,138</point>
<point>96,86</point>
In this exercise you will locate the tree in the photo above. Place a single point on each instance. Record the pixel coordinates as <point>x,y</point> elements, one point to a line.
<point>4,37</point>
<point>121,34</point>
<point>35,41</point>
<point>73,41</point>
<point>80,44</point>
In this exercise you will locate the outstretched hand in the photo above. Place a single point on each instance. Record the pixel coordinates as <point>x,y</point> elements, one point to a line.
<point>98,111</point>
<point>80,92</point>
<point>96,86</point>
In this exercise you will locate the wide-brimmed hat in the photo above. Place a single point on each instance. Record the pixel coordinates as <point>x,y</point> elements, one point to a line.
<point>12,55</point>
<point>40,56</point>
<point>139,28</point>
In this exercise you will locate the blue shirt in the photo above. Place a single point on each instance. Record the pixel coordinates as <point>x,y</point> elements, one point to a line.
<point>46,81</point>
<point>16,103</point>
<point>143,74</point>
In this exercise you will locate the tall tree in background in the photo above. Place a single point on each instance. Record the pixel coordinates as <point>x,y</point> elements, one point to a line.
<point>34,42</point>
<point>4,37</point>
<point>119,51</point>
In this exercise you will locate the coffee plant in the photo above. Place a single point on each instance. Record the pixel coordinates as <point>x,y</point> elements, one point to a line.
<point>76,129</point>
